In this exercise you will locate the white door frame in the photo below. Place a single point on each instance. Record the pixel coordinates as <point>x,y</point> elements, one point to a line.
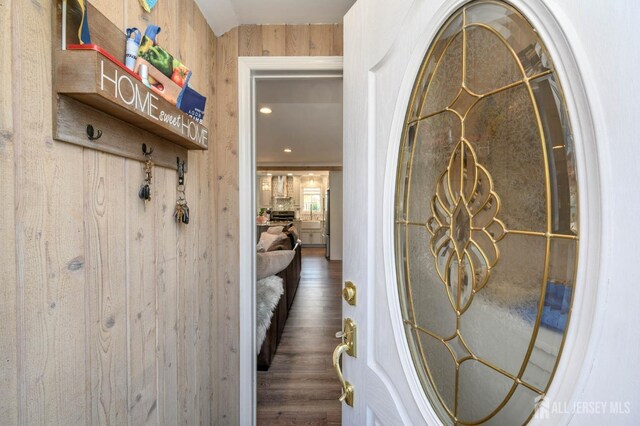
<point>248,69</point>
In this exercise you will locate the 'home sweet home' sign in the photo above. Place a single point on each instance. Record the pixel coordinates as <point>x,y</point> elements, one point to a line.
<point>124,88</point>
<point>95,80</point>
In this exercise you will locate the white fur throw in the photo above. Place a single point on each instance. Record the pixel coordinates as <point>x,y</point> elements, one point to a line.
<point>268,293</point>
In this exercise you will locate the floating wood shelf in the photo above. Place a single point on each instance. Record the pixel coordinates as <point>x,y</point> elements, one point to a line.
<point>91,87</point>
<point>92,78</point>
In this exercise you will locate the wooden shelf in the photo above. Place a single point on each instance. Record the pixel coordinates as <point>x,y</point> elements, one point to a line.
<point>94,79</point>
<point>91,87</point>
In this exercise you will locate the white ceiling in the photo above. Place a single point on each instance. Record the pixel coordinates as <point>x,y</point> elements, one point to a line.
<point>223,15</point>
<point>306,117</point>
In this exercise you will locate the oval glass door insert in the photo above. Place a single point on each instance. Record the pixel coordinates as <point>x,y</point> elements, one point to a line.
<point>486,218</point>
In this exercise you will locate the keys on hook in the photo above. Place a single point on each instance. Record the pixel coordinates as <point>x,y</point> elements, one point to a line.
<point>181,214</point>
<point>145,189</point>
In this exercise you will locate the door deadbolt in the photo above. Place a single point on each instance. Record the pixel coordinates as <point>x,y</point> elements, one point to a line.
<point>349,293</point>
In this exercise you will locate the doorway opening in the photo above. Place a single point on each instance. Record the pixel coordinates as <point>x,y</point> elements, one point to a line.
<point>293,156</point>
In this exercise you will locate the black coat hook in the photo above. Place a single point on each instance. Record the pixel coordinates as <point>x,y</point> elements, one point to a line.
<point>91,134</point>
<point>181,171</point>
<point>144,150</point>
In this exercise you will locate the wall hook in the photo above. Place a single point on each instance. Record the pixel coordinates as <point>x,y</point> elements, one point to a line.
<point>144,150</point>
<point>181,171</point>
<point>91,134</point>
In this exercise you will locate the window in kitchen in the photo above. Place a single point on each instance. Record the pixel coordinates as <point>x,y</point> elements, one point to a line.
<point>486,218</point>
<point>312,201</point>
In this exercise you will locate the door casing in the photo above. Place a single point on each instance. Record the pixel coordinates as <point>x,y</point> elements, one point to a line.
<point>249,68</point>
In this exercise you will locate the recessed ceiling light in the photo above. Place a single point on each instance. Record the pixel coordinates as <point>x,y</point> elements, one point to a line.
<point>265,110</point>
<point>269,174</point>
<point>287,150</point>
<point>310,174</point>
<point>289,174</point>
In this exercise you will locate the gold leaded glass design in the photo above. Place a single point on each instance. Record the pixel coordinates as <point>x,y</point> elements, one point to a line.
<point>486,218</point>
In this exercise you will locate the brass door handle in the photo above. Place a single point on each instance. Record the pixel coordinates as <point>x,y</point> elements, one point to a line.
<point>347,388</point>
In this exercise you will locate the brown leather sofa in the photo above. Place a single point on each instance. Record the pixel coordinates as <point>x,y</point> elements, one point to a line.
<point>291,279</point>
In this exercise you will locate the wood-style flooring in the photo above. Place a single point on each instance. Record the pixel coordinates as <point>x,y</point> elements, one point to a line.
<point>301,387</point>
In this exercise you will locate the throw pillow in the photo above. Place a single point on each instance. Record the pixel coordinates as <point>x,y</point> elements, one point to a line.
<point>267,240</point>
<point>275,230</point>
<point>272,262</point>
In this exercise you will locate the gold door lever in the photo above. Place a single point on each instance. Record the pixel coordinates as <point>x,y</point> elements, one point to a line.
<point>348,346</point>
<point>347,388</point>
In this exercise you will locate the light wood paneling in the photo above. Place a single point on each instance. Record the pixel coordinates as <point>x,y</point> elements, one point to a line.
<point>320,40</point>
<point>114,11</point>
<point>250,40</point>
<point>225,310</point>
<point>134,14</point>
<point>226,319</point>
<point>167,14</point>
<point>105,268</point>
<point>205,242</point>
<point>187,261</point>
<point>6,112</point>
<point>116,314</point>
<point>49,236</point>
<point>99,326</point>
<point>297,40</point>
<point>167,288</point>
<point>214,331</point>
<point>141,306</point>
<point>8,289</point>
<point>337,48</point>
<point>273,40</point>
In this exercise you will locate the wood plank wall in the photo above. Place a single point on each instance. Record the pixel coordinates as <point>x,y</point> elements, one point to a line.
<point>246,40</point>
<point>111,313</point>
<point>106,302</point>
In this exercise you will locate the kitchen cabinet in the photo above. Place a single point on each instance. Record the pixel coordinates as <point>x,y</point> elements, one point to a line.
<point>311,237</point>
<point>264,189</point>
<point>296,191</point>
<point>311,233</point>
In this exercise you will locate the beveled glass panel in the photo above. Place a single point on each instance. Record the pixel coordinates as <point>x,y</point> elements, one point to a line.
<point>500,322</point>
<point>517,410</point>
<point>401,253</point>
<point>490,64</point>
<point>429,293</point>
<point>475,399</point>
<point>461,227</point>
<point>543,358</point>
<point>557,135</point>
<point>555,312</point>
<point>447,79</point>
<point>402,180</point>
<point>429,64</point>
<point>516,30</point>
<point>442,367</point>
<point>436,137</point>
<point>487,218</point>
<point>504,132</point>
<point>562,263</point>
<point>464,102</point>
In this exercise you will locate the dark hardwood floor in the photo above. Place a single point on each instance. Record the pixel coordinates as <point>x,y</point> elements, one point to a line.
<point>301,387</point>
